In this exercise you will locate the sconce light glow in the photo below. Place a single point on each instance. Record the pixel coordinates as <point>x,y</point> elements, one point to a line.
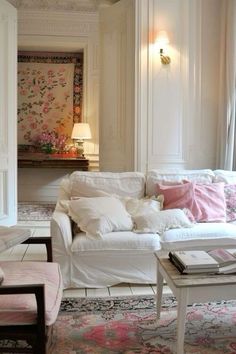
<point>162,41</point>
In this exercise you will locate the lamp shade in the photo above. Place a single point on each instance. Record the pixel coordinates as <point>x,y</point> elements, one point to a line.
<point>81,131</point>
<point>162,38</point>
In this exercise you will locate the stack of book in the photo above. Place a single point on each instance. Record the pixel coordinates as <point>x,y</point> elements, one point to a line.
<point>220,261</point>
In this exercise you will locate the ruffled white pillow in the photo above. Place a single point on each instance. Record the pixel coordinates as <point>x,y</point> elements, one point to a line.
<point>161,221</point>
<point>142,206</point>
<point>100,215</point>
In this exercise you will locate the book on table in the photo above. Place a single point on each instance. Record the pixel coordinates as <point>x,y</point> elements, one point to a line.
<point>221,261</point>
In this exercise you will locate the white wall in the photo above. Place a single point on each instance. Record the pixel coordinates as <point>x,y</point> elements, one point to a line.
<point>176,106</point>
<point>183,96</point>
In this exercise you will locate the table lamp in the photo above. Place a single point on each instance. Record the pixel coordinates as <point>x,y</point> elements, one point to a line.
<point>81,132</point>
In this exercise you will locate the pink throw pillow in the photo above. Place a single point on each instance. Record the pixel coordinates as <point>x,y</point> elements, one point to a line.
<point>230,198</point>
<point>206,202</point>
<point>180,196</point>
<point>210,199</point>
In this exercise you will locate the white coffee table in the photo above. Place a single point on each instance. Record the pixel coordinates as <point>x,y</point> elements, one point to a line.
<point>189,289</point>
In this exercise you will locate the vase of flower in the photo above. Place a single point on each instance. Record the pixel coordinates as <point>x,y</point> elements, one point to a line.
<point>47,148</point>
<point>50,142</point>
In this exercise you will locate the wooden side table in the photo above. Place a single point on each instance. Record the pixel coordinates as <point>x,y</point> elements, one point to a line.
<point>189,289</point>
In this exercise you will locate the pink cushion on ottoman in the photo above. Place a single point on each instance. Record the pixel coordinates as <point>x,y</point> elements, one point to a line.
<point>21,309</point>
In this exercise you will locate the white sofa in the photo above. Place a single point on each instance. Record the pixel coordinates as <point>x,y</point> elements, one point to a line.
<point>125,256</point>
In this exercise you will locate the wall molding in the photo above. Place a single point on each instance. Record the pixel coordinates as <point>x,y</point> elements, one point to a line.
<point>195,80</point>
<point>57,23</point>
<point>141,85</point>
<point>166,83</point>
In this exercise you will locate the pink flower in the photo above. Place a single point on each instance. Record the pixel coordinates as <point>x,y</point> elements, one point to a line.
<point>50,96</point>
<point>45,109</point>
<point>33,125</point>
<point>77,89</point>
<point>77,109</point>
<point>22,127</point>
<point>35,89</point>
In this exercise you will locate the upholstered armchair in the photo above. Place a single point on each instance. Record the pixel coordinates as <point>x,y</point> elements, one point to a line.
<point>30,297</point>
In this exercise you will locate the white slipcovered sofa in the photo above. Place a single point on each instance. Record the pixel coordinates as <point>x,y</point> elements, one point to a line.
<point>126,256</point>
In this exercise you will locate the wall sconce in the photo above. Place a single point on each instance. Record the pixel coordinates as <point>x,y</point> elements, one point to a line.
<point>81,132</point>
<point>162,41</point>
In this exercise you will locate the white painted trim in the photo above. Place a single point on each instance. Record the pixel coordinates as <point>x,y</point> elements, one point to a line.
<point>150,84</point>
<point>141,85</point>
<point>195,78</point>
<point>8,114</point>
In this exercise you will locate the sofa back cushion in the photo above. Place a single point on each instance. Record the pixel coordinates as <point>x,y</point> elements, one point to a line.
<point>176,176</point>
<point>225,176</point>
<point>96,184</point>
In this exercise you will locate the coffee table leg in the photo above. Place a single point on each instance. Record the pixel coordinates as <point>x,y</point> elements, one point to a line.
<point>159,291</point>
<point>181,317</point>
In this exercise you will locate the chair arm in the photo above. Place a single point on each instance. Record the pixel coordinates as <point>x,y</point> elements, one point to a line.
<point>61,232</point>
<point>39,292</point>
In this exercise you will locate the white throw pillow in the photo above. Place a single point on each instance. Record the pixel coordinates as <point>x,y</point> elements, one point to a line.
<point>161,221</point>
<point>100,215</point>
<point>141,206</point>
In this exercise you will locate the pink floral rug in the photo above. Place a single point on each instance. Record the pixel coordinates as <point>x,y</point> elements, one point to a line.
<point>127,325</point>
<point>35,211</point>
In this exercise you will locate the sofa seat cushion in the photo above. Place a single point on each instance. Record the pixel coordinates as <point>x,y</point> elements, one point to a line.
<point>113,241</point>
<point>200,236</point>
<point>21,309</point>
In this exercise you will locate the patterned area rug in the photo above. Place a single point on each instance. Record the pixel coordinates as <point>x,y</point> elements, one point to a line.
<point>35,211</point>
<point>127,325</point>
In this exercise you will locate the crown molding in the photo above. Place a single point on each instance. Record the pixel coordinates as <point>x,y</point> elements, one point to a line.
<point>57,23</point>
<point>61,5</point>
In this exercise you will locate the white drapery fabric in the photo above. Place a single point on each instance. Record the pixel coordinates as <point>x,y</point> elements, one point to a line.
<point>227,99</point>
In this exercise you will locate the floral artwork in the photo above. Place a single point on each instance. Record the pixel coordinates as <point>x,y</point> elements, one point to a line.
<point>45,100</point>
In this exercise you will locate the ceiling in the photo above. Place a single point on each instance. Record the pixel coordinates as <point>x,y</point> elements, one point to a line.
<point>61,5</point>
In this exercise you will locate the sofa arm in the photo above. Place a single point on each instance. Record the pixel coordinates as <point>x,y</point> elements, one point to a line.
<point>61,232</point>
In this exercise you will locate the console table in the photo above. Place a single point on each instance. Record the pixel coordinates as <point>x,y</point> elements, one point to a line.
<point>41,160</point>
